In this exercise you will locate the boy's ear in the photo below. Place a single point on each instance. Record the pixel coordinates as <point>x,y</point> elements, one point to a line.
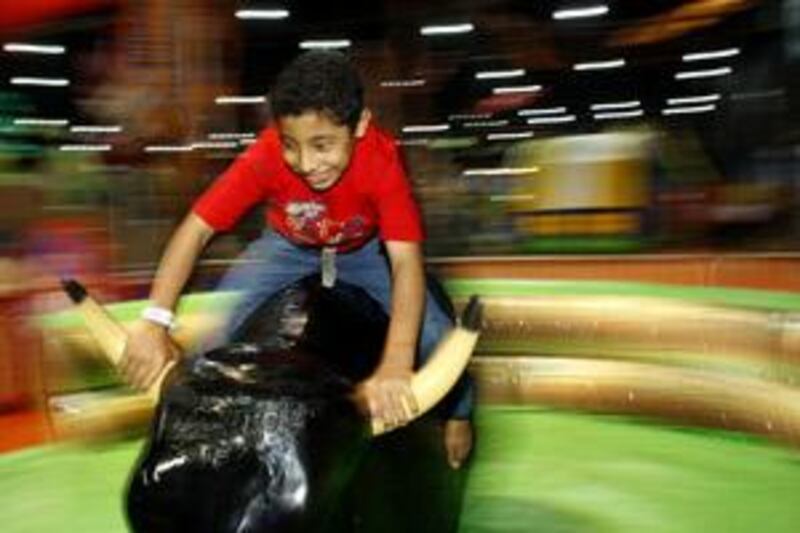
<point>363,122</point>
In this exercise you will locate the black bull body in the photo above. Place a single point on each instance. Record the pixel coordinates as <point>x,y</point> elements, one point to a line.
<point>262,435</point>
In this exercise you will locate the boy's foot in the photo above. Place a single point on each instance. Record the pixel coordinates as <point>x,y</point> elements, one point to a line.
<point>457,441</point>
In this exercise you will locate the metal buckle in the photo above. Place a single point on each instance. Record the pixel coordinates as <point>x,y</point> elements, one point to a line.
<point>328,267</point>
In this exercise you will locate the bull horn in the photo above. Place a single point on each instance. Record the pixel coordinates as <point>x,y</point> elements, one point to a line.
<point>448,361</point>
<point>108,333</point>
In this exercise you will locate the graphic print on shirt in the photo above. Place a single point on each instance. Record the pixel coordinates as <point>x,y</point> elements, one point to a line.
<point>309,223</point>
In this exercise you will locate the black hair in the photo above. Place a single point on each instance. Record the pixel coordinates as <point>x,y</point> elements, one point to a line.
<point>323,81</point>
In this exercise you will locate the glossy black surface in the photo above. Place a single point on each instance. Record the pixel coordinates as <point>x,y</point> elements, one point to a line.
<point>260,435</point>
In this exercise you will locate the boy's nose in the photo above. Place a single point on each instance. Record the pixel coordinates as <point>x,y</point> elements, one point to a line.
<point>306,163</point>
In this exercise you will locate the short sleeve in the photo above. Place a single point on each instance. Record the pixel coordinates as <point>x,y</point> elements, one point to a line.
<point>398,212</point>
<point>236,190</point>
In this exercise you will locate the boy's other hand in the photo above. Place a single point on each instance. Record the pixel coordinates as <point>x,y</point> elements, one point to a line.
<point>389,398</point>
<point>148,349</point>
<point>457,441</point>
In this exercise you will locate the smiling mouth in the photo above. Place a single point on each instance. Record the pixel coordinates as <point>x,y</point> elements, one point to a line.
<point>319,179</point>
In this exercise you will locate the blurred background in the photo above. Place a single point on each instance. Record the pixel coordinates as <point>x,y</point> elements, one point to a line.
<point>623,131</point>
<point>621,139</point>
<point>629,170</point>
<point>528,127</point>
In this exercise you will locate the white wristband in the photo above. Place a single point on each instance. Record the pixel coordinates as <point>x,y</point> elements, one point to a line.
<point>159,315</point>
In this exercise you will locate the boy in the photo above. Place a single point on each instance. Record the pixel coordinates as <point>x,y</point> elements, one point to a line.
<point>333,187</point>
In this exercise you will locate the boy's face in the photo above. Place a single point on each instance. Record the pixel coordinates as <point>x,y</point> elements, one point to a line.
<point>317,148</point>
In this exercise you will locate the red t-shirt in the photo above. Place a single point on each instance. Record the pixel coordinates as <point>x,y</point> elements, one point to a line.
<point>373,196</point>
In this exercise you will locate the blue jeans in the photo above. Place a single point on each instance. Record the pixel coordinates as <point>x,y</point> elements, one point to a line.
<point>272,262</point>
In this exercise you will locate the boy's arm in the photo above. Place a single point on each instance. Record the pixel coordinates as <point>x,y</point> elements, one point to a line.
<point>149,346</point>
<point>388,391</point>
<point>408,302</point>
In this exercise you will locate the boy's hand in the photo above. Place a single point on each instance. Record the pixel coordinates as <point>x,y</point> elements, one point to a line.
<point>148,349</point>
<point>389,398</point>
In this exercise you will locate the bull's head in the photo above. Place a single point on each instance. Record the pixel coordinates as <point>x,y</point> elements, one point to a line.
<point>264,434</point>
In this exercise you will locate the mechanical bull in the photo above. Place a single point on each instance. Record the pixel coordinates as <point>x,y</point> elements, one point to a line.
<point>265,435</point>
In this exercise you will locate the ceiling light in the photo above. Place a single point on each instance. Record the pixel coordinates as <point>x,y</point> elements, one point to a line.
<point>426,128</point>
<point>714,54</point>
<point>541,111</point>
<point>85,147</point>
<point>499,74</point>
<point>485,124</point>
<point>694,99</point>
<point>509,136</point>
<point>503,171</point>
<point>470,116</point>
<point>225,100</point>
<point>214,145</point>
<point>325,44</point>
<point>447,29</point>
<point>582,12</point>
<point>403,83</point>
<point>167,148</point>
<point>619,114</point>
<point>262,14</point>
<point>600,65</point>
<point>709,73</point>
<point>517,89</point>
<point>230,135</point>
<point>41,122</point>
<point>688,110</point>
<point>26,48</point>
<point>95,129</point>
<point>552,120</point>
<point>615,105</point>
<point>41,82</point>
